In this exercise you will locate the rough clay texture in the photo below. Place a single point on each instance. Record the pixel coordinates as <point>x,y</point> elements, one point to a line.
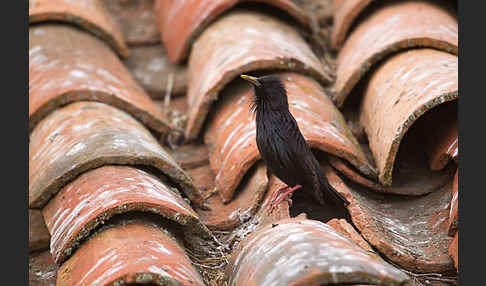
<point>90,15</point>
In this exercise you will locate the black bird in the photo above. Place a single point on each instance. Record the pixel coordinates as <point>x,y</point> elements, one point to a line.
<point>282,146</point>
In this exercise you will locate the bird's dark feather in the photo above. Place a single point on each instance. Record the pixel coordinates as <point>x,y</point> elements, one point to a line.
<point>282,145</point>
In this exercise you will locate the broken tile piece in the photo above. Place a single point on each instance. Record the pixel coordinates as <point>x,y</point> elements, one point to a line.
<point>67,64</point>
<point>225,50</point>
<point>152,69</point>
<point>181,22</point>
<point>395,26</point>
<point>345,12</point>
<point>400,91</point>
<point>246,202</point>
<point>86,135</point>
<point>306,252</point>
<point>410,231</point>
<point>95,196</point>
<point>136,20</point>
<point>344,228</point>
<point>135,252</point>
<point>231,132</point>
<point>39,236</point>
<point>91,15</point>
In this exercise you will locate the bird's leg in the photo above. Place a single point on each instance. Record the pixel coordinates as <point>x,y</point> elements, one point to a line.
<point>282,195</point>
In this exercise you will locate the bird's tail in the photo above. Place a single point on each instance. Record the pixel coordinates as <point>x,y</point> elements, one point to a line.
<point>330,195</point>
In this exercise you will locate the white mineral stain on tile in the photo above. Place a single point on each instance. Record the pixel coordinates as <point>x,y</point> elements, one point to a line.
<point>76,148</point>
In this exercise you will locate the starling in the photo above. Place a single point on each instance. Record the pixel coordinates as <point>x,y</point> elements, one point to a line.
<point>282,146</point>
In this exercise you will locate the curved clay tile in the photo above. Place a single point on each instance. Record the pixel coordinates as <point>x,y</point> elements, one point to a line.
<point>401,90</point>
<point>411,176</point>
<point>39,236</point>
<point>87,135</point>
<point>152,69</point>
<point>226,49</point>
<point>190,156</point>
<point>134,252</point>
<point>245,204</point>
<point>441,136</point>
<point>67,64</point>
<point>306,252</point>
<point>231,130</point>
<point>410,231</point>
<point>182,21</point>
<point>88,14</point>
<point>95,196</point>
<point>344,228</point>
<point>398,25</point>
<point>453,212</point>
<point>345,12</point>
<point>136,20</point>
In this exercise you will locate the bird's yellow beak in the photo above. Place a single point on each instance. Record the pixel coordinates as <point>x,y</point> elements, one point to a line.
<point>251,79</point>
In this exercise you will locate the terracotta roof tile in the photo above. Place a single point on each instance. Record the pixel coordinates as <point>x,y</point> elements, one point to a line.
<point>219,55</point>
<point>152,69</point>
<point>136,20</point>
<point>345,12</point>
<point>441,134</point>
<point>410,231</point>
<point>181,22</point>
<point>39,236</point>
<point>396,26</point>
<point>134,252</point>
<point>401,90</point>
<point>306,252</point>
<point>97,195</point>
<point>226,216</point>
<point>67,64</point>
<point>344,228</point>
<point>86,135</point>
<point>190,156</point>
<point>231,131</point>
<point>90,15</point>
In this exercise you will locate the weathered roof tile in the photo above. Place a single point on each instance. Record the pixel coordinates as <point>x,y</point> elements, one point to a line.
<point>410,231</point>
<point>87,135</point>
<point>400,91</point>
<point>91,15</point>
<point>345,12</point>
<point>242,207</point>
<point>67,65</point>
<point>133,252</point>
<point>181,22</point>
<point>95,196</point>
<point>152,69</point>
<point>396,26</point>
<point>306,252</point>
<point>136,20</point>
<point>39,236</point>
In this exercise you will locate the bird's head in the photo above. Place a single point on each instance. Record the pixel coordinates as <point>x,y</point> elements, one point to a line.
<point>270,92</point>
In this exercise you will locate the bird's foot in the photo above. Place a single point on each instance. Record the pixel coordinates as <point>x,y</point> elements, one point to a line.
<point>282,195</point>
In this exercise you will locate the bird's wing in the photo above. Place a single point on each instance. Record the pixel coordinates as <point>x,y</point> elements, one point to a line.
<point>310,171</point>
